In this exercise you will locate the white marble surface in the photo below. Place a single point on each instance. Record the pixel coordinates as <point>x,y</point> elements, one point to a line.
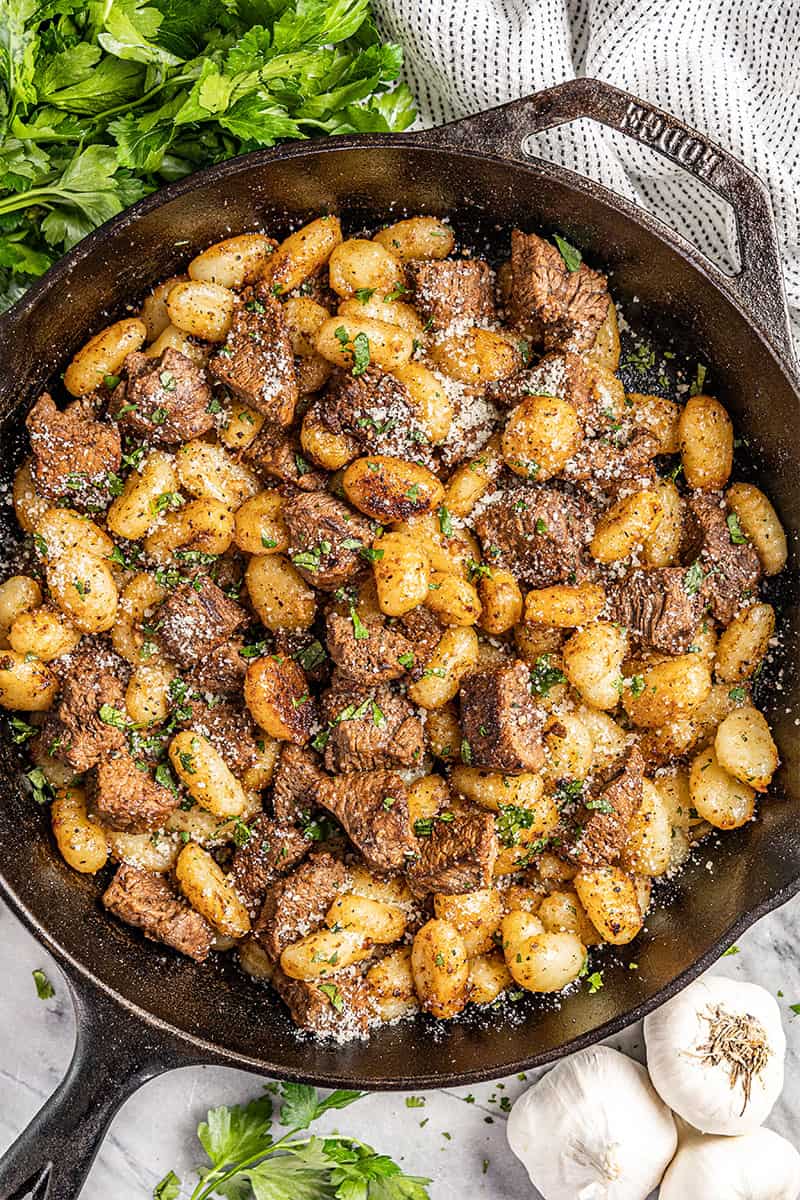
<point>155,1130</point>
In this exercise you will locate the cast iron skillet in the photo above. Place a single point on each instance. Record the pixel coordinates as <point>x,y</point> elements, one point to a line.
<point>141,1011</point>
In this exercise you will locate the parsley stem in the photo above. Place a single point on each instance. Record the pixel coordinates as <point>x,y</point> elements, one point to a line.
<point>210,1183</point>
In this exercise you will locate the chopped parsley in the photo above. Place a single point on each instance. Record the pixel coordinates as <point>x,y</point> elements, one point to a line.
<point>738,536</point>
<point>510,821</point>
<point>311,657</point>
<point>334,995</point>
<point>571,255</point>
<point>698,383</point>
<point>360,354</point>
<point>445,522</point>
<point>544,676</point>
<point>360,631</point>
<point>595,982</point>
<point>21,730</point>
<point>693,579</point>
<point>44,988</point>
<point>363,295</point>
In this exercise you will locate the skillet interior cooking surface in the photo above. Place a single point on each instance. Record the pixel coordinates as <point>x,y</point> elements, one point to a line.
<point>365,180</point>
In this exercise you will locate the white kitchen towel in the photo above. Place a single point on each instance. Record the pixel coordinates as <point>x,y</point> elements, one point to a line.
<point>730,68</point>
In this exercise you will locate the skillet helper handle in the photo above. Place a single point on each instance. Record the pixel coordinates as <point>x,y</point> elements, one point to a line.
<point>758,287</point>
<point>115,1053</point>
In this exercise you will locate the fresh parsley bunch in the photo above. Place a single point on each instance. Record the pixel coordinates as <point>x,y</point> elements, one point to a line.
<point>248,1163</point>
<point>102,102</point>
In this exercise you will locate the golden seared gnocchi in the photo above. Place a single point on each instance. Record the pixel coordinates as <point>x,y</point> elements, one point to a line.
<point>371,628</point>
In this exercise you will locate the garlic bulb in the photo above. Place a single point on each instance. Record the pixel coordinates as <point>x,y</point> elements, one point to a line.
<point>593,1129</point>
<point>715,1054</point>
<point>757,1166</point>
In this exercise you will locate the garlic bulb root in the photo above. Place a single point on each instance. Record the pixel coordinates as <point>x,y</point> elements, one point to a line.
<point>715,1054</point>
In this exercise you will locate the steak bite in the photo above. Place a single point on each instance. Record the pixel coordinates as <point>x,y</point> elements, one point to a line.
<point>725,570</point>
<point>560,373</point>
<point>613,463</point>
<point>275,454</point>
<point>369,652</point>
<point>271,851</point>
<point>657,608</point>
<point>372,806</point>
<point>222,671</point>
<point>424,630</point>
<point>453,291</point>
<point>343,1006</point>
<point>375,411</point>
<point>602,822</point>
<point>296,904</point>
<point>539,533</point>
<point>164,400</point>
<point>146,900</point>
<point>369,729</point>
<point>502,724</point>
<point>325,536</point>
<point>257,360</point>
<point>75,732</point>
<point>459,855</point>
<point>566,307</point>
<point>296,784</point>
<point>127,799</point>
<point>73,452</point>
<point>195,619</point>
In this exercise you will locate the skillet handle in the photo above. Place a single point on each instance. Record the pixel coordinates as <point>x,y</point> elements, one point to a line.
<point>115,1053</point>
<point>508,131</point>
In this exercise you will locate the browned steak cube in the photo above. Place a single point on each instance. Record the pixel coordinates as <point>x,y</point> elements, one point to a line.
<point>75,732</point>
<point>569,306</point>
<point>222,671</point>
<point>368,652</point>
<point>297,903</point>
<point>275,454</point>
<point>73,452</point>
<point>368,729</point>
<point>603,821</point>
<point>257,361</point>
<point>656,607</point>
<point>458,856</point>
<point>165,399</point>
<point>558,374</point>
<point>146,900</point>
<point>339,1007</point>
<point>296,783</point>
<point>453,291</point>
<point>195,619</point>
<point>538,532</point>
<point>231,731</point>
<point>126,798</point>
<point>376,412</point>
<point>502,724</point>
<point>325,537</point>
<point>625,461</point>
<point>372,806</point>
<point>424,630</point>
<point>271,851</point>
<point>724,571</point>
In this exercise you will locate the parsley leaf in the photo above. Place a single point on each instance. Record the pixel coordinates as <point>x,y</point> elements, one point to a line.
<point>302,1103</point>
<point>693,578</point>
<point>103,103</point>
<point>571,255</point>
<point>360,354</point>
<point>44,988</point>
<point>738,536</point>
<point>169,1188</point>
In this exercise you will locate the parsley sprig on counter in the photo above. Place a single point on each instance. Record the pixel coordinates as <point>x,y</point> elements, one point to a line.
<point>102,102</point>
<point>248,1162</point>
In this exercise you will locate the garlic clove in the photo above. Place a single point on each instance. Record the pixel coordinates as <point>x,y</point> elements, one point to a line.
<point>715,1054</point>
<point>593,1129</point>
<point>756,1166</point>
